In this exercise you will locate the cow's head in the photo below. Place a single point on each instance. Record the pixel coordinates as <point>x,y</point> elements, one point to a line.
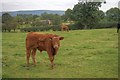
<point>56,43</point>
<point>54,40</point>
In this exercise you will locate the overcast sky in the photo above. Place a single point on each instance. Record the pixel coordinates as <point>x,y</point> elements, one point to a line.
<point>16,5</point>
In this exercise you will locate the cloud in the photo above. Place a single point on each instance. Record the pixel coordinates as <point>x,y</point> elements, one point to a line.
<point>109,4</point>
<point>9,6</point>
<point>13,5</point>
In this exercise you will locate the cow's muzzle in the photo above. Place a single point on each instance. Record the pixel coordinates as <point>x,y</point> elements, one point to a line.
<point>56,46</point>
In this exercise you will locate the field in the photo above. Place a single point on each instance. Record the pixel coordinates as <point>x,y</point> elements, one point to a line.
<point>83,54</point>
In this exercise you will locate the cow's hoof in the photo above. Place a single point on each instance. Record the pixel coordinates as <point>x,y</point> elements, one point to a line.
<point>34,65</point>
<point>52,67</point>
<point>28,68</point>
<point>27,65</point>
<point>23,66</point>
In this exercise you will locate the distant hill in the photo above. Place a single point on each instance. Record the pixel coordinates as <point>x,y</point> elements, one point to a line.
<point>35,12</point>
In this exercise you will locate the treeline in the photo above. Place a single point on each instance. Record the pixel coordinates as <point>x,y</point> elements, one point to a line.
<point>26,22</point>
<point>84,15</point>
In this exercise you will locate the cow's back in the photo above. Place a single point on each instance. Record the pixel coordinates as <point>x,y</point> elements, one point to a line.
<point>32,39</point>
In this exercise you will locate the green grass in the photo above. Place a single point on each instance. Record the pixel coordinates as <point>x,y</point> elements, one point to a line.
<point>83,54</point>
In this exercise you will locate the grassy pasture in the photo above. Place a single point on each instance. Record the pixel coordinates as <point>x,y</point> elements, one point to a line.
<point>83,54</point>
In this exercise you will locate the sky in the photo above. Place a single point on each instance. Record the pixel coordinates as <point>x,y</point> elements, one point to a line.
<point>17,5</point>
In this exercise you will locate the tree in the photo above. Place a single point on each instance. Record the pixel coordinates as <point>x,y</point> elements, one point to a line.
<point>113,14</point>
<point>19,20</point>
<point>35,16</point>
<point>86,13</point>
<point>8,22</point>
<point>14,23</point>
<point>46,16</point>
<point>6,17</point>
<point>56,19</point>
<point>101,14</point>
<point>26,18</point>
<point>68,15</point>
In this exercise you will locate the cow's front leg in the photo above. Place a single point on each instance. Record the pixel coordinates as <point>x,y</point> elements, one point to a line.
<point>33,56</point>
<point>52,63</point>
<point>51,57</point>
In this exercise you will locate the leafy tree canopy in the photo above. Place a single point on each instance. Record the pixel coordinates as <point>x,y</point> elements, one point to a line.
<point>113,14</point>
<point>87,12</point>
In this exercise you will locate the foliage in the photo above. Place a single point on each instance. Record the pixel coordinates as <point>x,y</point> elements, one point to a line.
<point>55,18</point>
<point>68,15</point>
<point>101,14</point>
<point>110,20</point>
<point>34,29</point>
<point>76,26</point>
<point>6,17</point>
<point>55,27</point>
<point>87,13</point>
<point>46,16</point>
<point>9,22</point>
<point>19,20</point>
<point>25,21</point>
<point>41,28</point>
<point>107,24</point>
<point>26,17</point>
<point>38,22</point>
<point>113,14</point>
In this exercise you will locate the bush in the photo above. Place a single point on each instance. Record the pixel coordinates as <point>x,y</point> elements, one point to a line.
<point>105,25</point>
<point>75,26</point>
<point>55,27</point>
<point>99,25</point>
<point>40,28</point>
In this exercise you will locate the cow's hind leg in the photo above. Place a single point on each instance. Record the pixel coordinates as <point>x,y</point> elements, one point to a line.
<point>33,56</point>
<point>28,56</point>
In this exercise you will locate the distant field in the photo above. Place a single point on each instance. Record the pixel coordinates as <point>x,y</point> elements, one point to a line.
<point>83,54</point>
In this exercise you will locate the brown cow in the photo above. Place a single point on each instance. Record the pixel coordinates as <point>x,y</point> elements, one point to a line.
<point>64,27</point>
<point>42,42</point>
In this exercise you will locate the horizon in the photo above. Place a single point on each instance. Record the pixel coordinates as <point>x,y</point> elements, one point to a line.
<point>33,10</point>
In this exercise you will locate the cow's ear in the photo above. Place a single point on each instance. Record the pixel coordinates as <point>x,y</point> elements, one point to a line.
<point>61,38</point>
